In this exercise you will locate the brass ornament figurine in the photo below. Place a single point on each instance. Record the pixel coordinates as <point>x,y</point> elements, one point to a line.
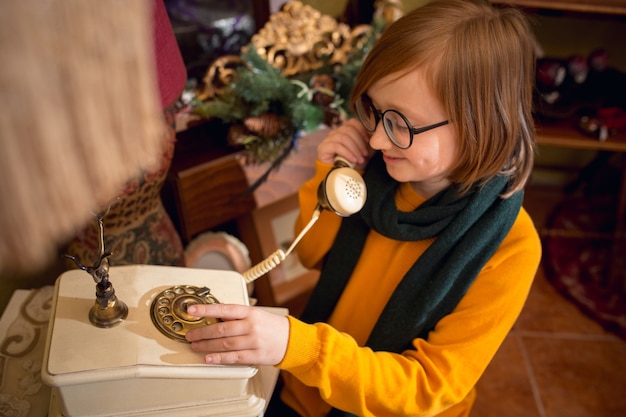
<point>220,74</point>
<point>299,39</point>
<point>296,40</point>
<point>107,311</point>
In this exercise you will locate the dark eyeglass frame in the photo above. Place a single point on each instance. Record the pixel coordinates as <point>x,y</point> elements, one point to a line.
<point>380,115</point>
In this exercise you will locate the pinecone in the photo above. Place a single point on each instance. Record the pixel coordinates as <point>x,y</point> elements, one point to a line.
<point>332,117</point>
<point>327,85</point>
<point>265,125</point>
<point>236,135</point>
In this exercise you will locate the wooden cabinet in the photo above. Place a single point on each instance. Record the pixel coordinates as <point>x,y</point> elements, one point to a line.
<point>206,185</point>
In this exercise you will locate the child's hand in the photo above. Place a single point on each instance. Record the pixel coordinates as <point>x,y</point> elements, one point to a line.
<point>247,335</point>
<point>350,141</point>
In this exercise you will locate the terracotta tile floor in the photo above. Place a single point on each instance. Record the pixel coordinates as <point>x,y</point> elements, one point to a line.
<point>556,362</point>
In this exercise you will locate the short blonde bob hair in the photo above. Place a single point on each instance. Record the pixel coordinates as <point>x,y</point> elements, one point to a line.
<point>481,64</point>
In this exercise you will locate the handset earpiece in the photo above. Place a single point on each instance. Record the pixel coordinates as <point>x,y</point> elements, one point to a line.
<point>343,190</point>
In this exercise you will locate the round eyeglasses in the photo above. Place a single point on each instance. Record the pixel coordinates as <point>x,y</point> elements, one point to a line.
<point>397,127</point>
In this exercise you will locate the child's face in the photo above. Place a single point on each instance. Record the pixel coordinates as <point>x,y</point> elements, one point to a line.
<point>429,160</point>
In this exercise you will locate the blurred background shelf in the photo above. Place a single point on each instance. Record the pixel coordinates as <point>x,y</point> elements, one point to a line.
<point>586,6</point>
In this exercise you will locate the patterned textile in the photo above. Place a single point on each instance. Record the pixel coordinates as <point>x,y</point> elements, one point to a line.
<point>23,328</point>
<point>580,257</point>
<point>137,228</point>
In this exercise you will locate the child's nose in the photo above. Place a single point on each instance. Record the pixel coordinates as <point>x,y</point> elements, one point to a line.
<point>379,139</point>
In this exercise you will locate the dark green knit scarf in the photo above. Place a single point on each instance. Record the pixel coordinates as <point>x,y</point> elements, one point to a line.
<point>468,230</point>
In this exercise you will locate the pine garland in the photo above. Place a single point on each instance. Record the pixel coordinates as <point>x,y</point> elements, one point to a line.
<point>282,108</point>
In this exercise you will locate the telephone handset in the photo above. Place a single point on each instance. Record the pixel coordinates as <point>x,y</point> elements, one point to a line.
<point>343,192</point>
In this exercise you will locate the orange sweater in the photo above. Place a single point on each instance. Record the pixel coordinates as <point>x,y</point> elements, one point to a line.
<point>326,364</point>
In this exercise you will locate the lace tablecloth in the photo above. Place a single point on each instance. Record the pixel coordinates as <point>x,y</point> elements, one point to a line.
<point>23,328</point>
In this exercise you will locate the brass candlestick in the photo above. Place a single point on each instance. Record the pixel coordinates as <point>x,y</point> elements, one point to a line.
<point>108,310</point>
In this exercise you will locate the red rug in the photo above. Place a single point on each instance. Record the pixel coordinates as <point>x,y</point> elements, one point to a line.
<point>580,257</point>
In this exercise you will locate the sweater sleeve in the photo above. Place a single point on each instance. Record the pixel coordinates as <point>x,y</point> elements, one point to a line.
<point>438,372</point>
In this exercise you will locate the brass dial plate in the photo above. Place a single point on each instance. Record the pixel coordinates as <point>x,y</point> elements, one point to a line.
<point>169,310</point>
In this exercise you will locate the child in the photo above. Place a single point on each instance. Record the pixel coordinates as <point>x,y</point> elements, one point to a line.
<point>419,289</point>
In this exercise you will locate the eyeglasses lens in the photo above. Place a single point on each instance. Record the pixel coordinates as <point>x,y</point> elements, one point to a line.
<point>395,125</point>
<point>366,113</point>
<point>397,128</point>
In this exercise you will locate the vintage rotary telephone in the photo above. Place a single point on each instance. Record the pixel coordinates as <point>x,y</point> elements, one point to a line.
<point>115,361</point>
<point>343,192</point>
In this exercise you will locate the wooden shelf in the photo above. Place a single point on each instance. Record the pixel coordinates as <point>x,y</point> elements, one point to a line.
<point>615,7</point>
<point>564,134</point>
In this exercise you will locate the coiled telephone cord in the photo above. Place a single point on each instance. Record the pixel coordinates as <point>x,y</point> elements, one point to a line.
<point>279,255</point>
